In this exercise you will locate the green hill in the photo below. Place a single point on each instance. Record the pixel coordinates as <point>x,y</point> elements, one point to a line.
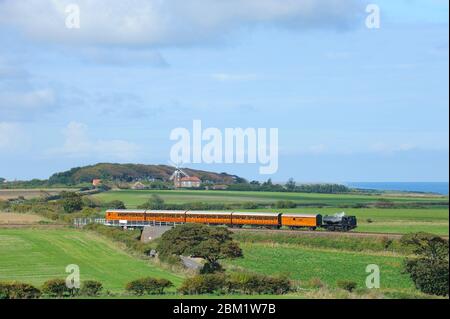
<point>34,256</point>
<point>133,172</point>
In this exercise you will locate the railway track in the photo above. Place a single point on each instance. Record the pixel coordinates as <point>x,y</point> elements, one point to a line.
<point>315,233</point>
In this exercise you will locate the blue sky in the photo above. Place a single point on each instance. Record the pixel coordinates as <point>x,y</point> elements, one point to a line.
<point>350,103</point>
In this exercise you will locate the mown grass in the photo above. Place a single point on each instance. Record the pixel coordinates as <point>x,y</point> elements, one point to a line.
<point>136,197</point>
<point>304,264</point>
<point>364,244</point>
<point>34,256</point>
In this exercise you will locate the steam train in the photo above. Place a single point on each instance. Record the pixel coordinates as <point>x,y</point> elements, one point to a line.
<point>232,219</point>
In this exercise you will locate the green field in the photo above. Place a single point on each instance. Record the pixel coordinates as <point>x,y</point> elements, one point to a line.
<point>34,256</point>
<point>132,198</point>
<point>386,220</point>
<point>303,264</point>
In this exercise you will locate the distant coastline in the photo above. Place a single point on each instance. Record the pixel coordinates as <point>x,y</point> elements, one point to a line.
<point>441,188</point>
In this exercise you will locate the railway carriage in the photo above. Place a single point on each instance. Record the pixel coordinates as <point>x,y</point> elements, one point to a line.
<point>166,216</point>
<point>256,219</point>
<point>128,215</point>
<point>217,218</point>
<point>301,221</point>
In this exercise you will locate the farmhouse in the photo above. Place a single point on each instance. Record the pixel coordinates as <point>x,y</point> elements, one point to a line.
<point>138,186</point>
<point>96,182</point>
<point>189,182</point>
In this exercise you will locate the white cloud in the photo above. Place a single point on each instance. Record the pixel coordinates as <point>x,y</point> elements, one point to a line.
<point>20,104</point>
<point>12,137</point>
<point>171,22</point>
<point>78,144</point>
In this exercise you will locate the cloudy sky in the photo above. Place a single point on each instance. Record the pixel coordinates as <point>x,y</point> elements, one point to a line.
<point>350,103</point>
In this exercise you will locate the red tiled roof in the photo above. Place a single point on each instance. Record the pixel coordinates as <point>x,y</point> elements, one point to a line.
<point>190,179</point>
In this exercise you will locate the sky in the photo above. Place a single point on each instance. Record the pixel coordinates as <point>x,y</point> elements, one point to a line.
<point>350,103</point>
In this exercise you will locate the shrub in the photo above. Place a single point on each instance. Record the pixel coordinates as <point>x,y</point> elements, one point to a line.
<point>58,288</point>
<point>387,242</point>
<point>71,202</point>
<point>116,204</point>
<point>203,284</point>
<point>315,283</point>
<point>248,283</point>
<point>347,285</point>
<point>245,283</point>
<point>91,288</point>
<point>17,290</point>
<point>4,204</point>
<point>429,269</point>
<point>148,286</point>
<point>250,205</point>
<point>285,204</point>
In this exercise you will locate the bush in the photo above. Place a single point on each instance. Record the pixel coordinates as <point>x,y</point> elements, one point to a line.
<point>315,283</point>
<point>4,205</point>
<point>116,204</point>
<point>58,288</point>
<point>71,202</point>
<point>203,284</point>
<point>17,290</point>
<point>148,286</point>
<point>347,285</point>
<point>241,283</point>
<point>429,269</point>
<point>91,288</point>
<point>248,283</point>
<point>285,204</point>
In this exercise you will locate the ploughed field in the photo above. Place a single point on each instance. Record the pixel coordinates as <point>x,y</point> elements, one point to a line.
<point>36,255</point>
<point>433,217</point>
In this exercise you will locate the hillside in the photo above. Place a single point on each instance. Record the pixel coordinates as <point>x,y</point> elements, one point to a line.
<point>133,172</point>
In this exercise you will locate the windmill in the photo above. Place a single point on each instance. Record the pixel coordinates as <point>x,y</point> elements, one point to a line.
<point>177,175</point>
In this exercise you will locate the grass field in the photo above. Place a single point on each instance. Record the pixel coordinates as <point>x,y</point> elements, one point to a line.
<point>35,256</point>
<point>24,219</point>
<point>387,220</point>
<point>132,198</point>
<point>303,264</point>
<point>6,194</point>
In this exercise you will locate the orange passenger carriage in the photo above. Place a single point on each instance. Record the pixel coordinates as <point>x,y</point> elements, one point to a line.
<point>121,214</point>
<point>217,218</point>
<point>167,216</point>
<point>301,221</point>
<point>256,219</point>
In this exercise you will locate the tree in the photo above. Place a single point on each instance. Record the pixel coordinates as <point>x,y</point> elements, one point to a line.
<point>155,202</point>
<point>148,286</point>
<point>71,202</point>
<point>116,204</point>
<point>200,241</point>
<point>429,269</point>
<point>290,185</point>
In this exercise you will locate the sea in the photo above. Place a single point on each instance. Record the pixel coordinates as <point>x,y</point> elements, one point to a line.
<point>420,187</point>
